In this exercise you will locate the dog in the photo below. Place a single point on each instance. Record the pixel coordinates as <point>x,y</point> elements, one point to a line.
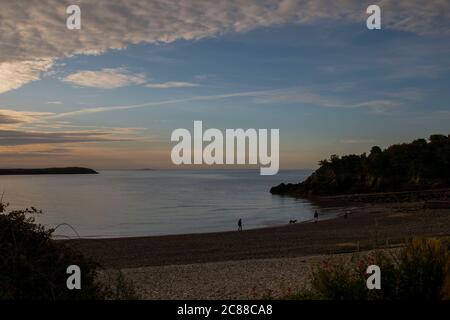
<point>292,221</point>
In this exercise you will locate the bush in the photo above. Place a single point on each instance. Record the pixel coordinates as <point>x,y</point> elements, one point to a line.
<point>118,287</point>
<point>33,266</point>
<point>424,270</point>
<point>419,271</point>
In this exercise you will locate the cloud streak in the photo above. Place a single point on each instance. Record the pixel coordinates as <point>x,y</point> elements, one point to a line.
<point>26,128</point>
<point>12,118</point>
<point>303,96</point>
<point>172,85</point>
<point>159,103</point>
<point>21,137</point>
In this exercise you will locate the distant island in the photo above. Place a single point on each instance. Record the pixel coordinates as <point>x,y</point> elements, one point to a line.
<point>69,170</point>
<point>419,165</point>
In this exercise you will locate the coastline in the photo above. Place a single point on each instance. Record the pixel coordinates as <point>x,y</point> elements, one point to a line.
<point>46,171</point>
<point>261,263</point>
<point>367,227</point>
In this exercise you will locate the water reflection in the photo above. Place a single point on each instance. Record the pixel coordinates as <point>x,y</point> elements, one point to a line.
<point>140,203</point>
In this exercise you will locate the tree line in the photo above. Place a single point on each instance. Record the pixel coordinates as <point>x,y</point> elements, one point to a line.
<point>421,164</point>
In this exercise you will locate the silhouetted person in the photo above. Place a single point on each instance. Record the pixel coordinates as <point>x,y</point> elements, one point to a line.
<point>316,216</point>
<point>240,225</point>
<point>346,214</point>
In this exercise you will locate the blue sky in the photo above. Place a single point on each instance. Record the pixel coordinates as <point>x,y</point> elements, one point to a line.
<point>330,85</point>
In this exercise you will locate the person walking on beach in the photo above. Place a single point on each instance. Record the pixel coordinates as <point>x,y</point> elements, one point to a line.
<point>316,216</point>
<point>240,225</point>
<point>346,214</point>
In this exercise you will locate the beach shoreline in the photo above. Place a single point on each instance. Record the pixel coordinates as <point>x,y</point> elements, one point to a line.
<point>367,226</point>
<point>260,263</point>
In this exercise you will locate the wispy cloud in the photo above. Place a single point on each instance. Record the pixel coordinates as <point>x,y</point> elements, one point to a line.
<point>322,97</point>
<point>356,141</point>
<point>159,103</point>
<point>22,128</point>
<point>32,151</point>
<point>12,118</point>
<point>20,137</point>
<point>303,95</point>
<point>171,85</point>
<point>13,75</point>
<point>105,78</point>
<point>376,105</point>
<point>300,95</point>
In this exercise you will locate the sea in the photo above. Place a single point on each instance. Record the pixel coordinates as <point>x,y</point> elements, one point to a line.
<point>133,203</point>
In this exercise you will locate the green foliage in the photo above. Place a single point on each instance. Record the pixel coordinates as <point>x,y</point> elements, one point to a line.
<point>424,268</point>
<point>118,287</point>
<point>411,166</point>
<point>419,271</point>
<point>33,266</point>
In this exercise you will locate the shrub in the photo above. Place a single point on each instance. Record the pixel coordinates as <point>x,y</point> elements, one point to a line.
<point>118,287</point>
<point>33,266</point>
<point>424,270</point>
<point>419,271</point>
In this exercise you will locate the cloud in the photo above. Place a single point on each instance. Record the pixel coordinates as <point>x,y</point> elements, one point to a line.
<point>321,97</point>
<point>356,141</point>
<point>26,128</point>
<point>105,78</point>
<point>160,103</point>
<point>33,151</point>
<point>33,36</point>
<point>171,85</point>
<point>12,117</point>
<point>13,75</point>
<point>376,105</point>
<point>23,137</point>
<point>299,95</point>
<point>55,102</point>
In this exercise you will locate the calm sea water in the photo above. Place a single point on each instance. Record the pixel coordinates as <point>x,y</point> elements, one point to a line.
<point>141,203</point>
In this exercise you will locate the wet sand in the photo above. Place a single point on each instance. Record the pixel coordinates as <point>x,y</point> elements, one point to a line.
<point>368,226</point>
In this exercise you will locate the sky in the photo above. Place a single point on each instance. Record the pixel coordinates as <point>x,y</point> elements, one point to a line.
<point>109,95</point>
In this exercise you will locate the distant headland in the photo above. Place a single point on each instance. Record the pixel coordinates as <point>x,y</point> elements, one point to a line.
<point>419,165</point>
<point>68,170</point>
